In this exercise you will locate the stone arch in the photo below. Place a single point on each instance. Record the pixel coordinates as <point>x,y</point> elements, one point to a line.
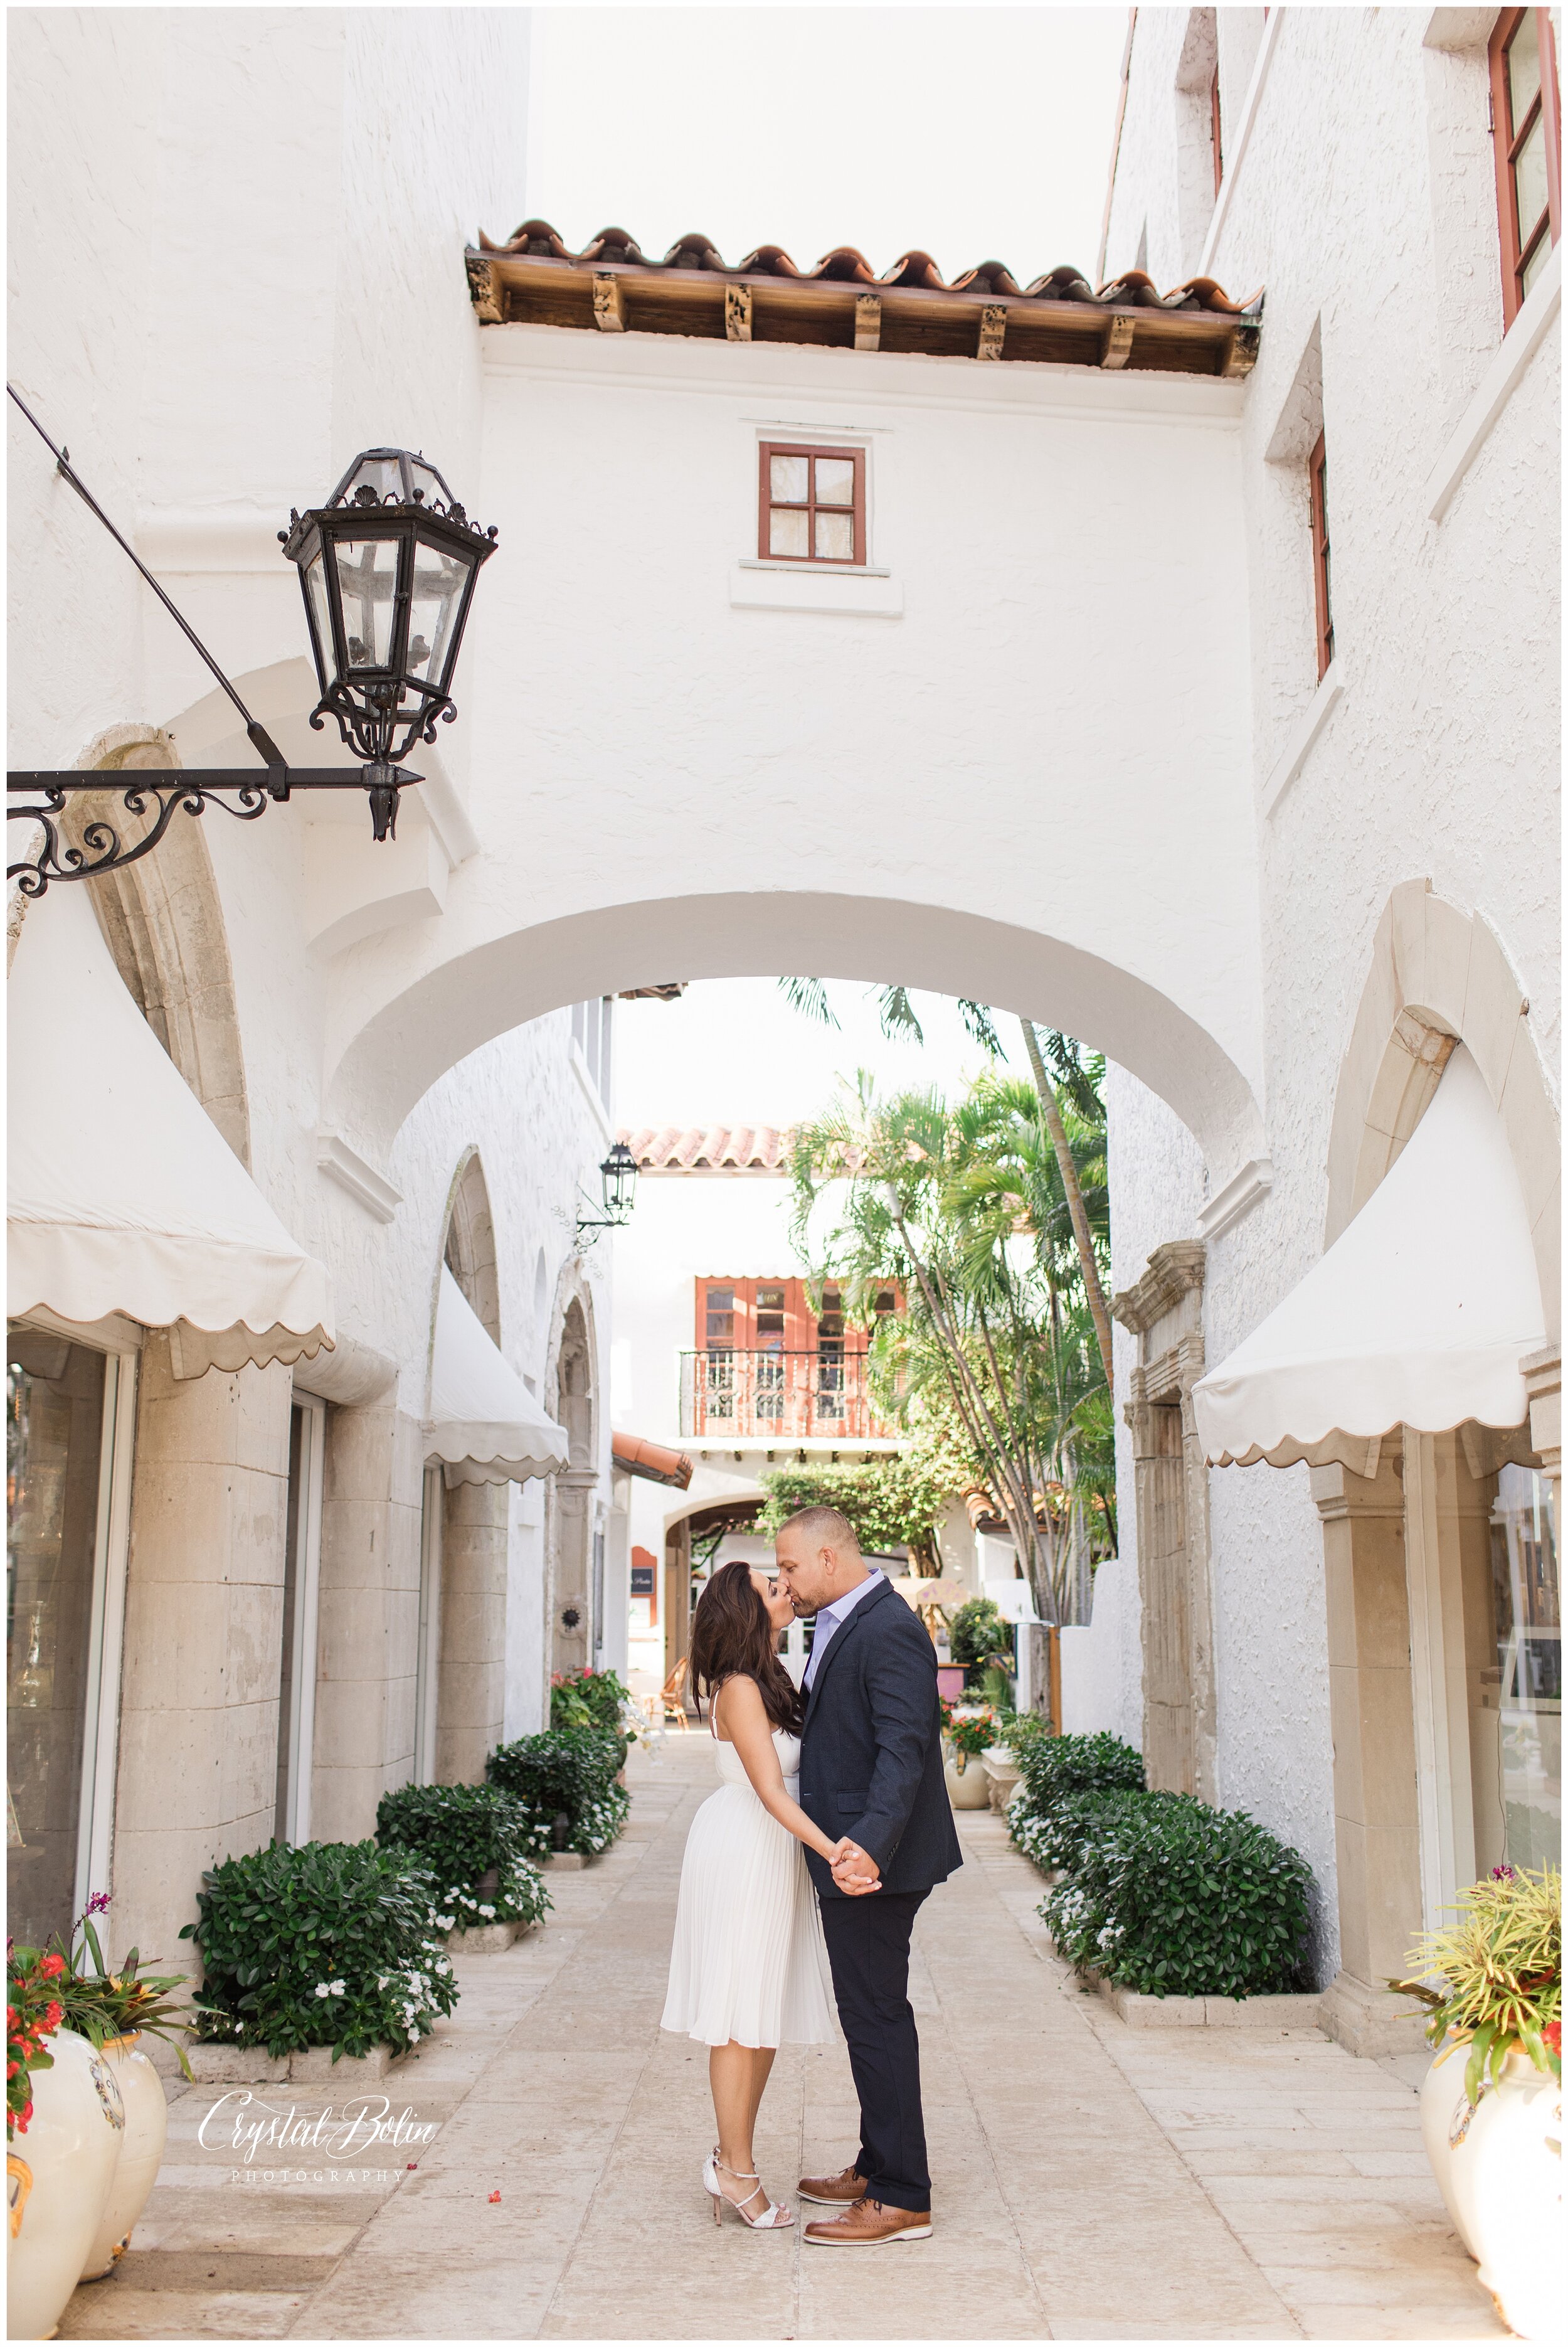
<point>162,920</point>
<point>1439,976</point>
<point>468,1241</point>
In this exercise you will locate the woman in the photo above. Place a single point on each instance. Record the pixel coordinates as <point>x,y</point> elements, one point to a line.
<point>748,1971</point>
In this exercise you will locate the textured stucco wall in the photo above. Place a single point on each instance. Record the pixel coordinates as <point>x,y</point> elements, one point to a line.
<point>1365,203</point>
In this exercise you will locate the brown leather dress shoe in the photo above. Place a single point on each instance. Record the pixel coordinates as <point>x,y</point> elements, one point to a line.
<point>832,2191</point>
<point>868,2221</point>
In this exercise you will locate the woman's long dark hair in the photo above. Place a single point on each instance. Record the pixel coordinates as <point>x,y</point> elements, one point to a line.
<point>732,1636</point>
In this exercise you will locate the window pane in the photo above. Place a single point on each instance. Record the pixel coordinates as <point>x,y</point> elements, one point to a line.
<point>770,1299</point>
<point>1522,1774</point>
<point>54,1435</point>
<point>835,481</point>
<point>786,480</point>
<point>788,533</point>
<point>836,537</point>
<point>1523,71</point>
<point>367,578</point>
<point>1535,264</point>
<point>1530,181</point>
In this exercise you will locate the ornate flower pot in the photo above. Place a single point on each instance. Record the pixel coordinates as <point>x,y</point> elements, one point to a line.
<point>968,1788</point>
<point>1444,2106</point>
<point>1509,2170</point>
<point>141,2152</point>
<point>61,2173</point>
<point>1001,1774</point>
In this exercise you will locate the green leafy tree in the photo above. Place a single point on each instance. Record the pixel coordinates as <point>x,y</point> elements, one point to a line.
<point>896,1502</point>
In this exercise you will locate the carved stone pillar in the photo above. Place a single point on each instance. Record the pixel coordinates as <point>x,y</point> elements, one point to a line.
<point>1164,1313</point>
<point>1377,1811</point>
<point>572,1562</point>
<point>473,1631</point>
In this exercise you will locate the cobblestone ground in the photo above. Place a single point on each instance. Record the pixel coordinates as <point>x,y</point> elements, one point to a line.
<point>1092,2181</point>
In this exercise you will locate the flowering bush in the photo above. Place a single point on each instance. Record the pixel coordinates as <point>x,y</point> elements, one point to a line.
<point>464,1833</point>
<point>32,2011</point>
<point>1052,1767</point>
<point>1169,1897</point>
<point>566,1778</point>
<point>1502,1968</point>
<point>1055,1839</point>
<point>970,1733</point>
<point>332,1943</point>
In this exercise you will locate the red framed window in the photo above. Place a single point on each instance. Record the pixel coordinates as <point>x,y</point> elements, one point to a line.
<point>811,504</point>
<point>1216,138</point>
<point>1317,477</point>
<point>1527,144</point>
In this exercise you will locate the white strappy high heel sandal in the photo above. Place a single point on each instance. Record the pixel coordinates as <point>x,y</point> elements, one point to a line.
<point>768,2219</point>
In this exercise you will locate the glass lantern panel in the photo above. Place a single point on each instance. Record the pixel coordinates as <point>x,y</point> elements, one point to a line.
<point>787,479</point>
<point>786,532</point>
<point>367,581</point>
<point>428,481</point>
<point>835,537</point>
<point>439,578</point>
<point>835,481</point>
<point>382,474</point>
<point>321,616</point>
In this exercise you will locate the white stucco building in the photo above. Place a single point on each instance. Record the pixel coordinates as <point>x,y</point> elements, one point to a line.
<point>836,616</point>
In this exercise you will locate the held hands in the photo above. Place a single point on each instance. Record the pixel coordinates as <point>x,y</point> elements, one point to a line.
<point>854,1871</point>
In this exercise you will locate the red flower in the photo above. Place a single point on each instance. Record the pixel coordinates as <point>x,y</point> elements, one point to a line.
<point>51,1967</point>
<point>495,2196</point>
<point>1552,2038</point>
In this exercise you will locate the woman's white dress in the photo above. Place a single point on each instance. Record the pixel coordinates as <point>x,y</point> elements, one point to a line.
<point>749,1961</point>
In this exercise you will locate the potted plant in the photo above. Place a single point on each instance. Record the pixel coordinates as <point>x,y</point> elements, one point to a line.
<point>64,2123</point>
<point>1491,2105</point>
<point>113,2012</point>
<point>967,1731</point>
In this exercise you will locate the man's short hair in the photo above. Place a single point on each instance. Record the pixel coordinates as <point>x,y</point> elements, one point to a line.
<point>824,1527</point>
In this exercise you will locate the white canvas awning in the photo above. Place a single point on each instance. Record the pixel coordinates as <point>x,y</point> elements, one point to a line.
<point>1418,1314</point>
<point>484,1426</point>
<point>125,1198</point>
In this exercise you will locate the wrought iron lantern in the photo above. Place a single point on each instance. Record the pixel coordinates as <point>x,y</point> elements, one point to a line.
<point>618,1189</point>
<point>387,568</point>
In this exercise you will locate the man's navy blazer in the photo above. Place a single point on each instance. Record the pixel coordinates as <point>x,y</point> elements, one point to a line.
<point>871,1750</point>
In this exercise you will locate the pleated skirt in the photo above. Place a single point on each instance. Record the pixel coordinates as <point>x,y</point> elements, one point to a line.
<point>749,1962</point>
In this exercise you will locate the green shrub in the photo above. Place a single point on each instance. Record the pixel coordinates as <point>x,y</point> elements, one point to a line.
<point>462,1833</point>
<point>1022,1728</point>
<point>978,1636</point>
<point>1054,1766</point>
<point>567,1772</point>
<point>1055,1838</point>
<point>590,1698</point>
<point>1171,1898</point>
<point>330,1943</point>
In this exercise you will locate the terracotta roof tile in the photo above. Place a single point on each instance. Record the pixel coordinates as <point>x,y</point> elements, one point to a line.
<point>710,1149</point>
<point>1059,317</point>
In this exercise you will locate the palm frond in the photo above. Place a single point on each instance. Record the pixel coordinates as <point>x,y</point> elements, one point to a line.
<point>897,1014</point>
<point>809,997</point>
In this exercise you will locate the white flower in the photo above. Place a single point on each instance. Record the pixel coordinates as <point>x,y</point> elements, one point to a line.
<point>443,1966</point>
<point>339,1987</point>
<point>323,1988</point>
<point>381,1982</point>
<point>487,1911</point>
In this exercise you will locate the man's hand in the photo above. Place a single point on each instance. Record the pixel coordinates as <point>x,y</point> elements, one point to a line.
<point>854,1871</point>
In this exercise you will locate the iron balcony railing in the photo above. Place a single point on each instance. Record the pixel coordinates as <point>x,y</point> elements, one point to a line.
<point>790,1395</point>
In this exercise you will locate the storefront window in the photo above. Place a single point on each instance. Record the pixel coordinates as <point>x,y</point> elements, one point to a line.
<point>1527,1622</point>
<point>54,1434</point>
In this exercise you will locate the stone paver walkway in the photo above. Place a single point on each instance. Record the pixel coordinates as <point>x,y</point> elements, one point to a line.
<point>1092,2181</point>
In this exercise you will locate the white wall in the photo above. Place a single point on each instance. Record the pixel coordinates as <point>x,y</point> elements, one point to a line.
<point>1365,203</point>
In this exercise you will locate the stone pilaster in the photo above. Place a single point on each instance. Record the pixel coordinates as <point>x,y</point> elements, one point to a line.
<point>368,1635</point>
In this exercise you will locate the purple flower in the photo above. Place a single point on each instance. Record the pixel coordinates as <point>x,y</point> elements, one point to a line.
<point>97,1904</point>
<point>1504,1874</point>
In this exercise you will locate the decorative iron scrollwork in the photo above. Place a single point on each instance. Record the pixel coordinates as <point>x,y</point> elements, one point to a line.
<point>101,850</point>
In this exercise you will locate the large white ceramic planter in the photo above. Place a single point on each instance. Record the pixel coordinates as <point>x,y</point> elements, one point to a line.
<point>1443,2106</point>
<point>61,2173</point>
<point>1510,2171</point>
<point>967,1789</point>
<point>140,2153</point>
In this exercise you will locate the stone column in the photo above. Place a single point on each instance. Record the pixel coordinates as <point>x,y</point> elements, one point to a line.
<point>368,1637</point>
<point>1377,1830</point>
<point>472,1682</point>
<point>572,1563</point>
<point>1164,1312</point>
<point>197,1770</point>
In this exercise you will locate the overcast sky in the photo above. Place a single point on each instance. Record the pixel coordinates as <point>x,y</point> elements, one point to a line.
<point>974,134</point>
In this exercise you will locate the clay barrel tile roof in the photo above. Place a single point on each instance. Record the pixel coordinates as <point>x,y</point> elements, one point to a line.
<point>710,1149</point>
<point>1058,318</point>
<point>651,1460</point>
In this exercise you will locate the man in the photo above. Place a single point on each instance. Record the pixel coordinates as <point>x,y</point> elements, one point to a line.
<point>871,1768</point>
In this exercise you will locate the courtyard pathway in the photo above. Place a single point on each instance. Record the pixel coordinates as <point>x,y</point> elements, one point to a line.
<point>1092,2181</point>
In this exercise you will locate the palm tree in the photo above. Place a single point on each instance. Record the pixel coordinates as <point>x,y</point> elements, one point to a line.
<point>1073,1078</point>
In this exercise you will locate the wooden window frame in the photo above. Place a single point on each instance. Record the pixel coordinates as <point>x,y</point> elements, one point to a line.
<point>1216,132</point>
<point>1317,484</point>
<point>1507,137</point>
<point>811,559</point>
